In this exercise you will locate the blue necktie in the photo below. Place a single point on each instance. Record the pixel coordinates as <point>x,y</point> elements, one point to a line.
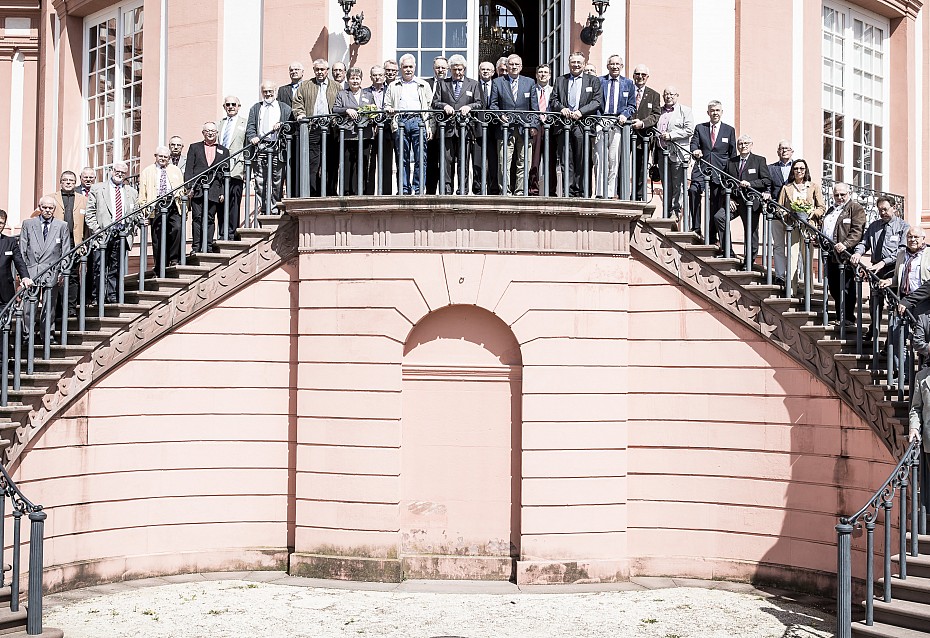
<point>610,99</point>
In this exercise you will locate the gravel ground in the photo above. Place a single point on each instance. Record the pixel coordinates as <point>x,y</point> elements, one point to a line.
<point>288,608</point>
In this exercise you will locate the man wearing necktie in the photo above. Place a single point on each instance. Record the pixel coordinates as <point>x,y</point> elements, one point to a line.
<point>485,78</point>
<point>575,95</point>
<point>155,181</point>
<point>512,92</point>
<point>456,94</point>
<point>844,223</point>
<point>911,280</point>
<point>713,141</point>
<point>648,111</point>
<point>376,94</point>
<point>43,241</point>
<point>619,102</point>
<point>752,172</point>
<point>232,136</point>
<point>109,202</point>
<point>542,93</point>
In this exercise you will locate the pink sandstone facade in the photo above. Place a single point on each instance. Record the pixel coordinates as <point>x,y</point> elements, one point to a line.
<point>451,390</point>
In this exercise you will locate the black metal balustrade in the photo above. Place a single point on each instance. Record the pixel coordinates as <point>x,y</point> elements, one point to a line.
<point>911,518</point>
<point>21,506</point>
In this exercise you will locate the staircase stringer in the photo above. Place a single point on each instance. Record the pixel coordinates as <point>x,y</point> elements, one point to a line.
<point>747,306</point>
<point>158,321</point>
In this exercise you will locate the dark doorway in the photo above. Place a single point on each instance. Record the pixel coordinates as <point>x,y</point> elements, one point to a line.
<point>509,26</point>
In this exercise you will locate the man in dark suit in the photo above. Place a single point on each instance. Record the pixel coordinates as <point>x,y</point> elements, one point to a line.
<point>10,257</point>
<point>513,92</point>
<point>619,101</point>
<point>485,78</point>
<point>648,111</point>
<point>43,241</point>
<point>286,95</point>
<point>307,104</point>
<point>752,172</point>
<point>440,71</point>
<point>456,94</point>
<point>715,142</point>
<point>200,157</point>
<point>542,93</point>
<point>265,119</point>
<point>780,171</point>
<point>575,95</point>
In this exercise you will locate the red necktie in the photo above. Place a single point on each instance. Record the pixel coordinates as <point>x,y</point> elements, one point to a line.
<point>905,287</point>
<point>713,135</point>
<point>118,202</point>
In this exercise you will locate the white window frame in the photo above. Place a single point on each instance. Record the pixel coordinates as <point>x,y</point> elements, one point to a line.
<point>115,12</point>
<point>389,38</point>
<point>853,13</point>
<point>564,45</point>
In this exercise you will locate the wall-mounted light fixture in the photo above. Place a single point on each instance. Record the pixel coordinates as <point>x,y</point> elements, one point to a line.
<point>594,28</point>
<point>355,24</point>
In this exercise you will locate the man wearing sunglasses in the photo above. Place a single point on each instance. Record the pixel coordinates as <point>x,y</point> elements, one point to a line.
<point>232,136</point>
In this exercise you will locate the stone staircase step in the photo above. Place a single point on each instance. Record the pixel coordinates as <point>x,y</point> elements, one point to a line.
<point>255,235</point>
<point>882,630</point>
<point>916,566</point>
<point>12,621</point>
<point>37,379</point>
<point>54,365</point>
<point>912,588</point>
<point>181,273</point>
<point>659,223</point>
<point>923,543</point>
<point>903,613</point>
<point>231,246</point>
<point>148,298</point>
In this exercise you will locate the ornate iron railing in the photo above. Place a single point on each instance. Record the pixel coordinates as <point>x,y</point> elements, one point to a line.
<point>879,510</point>
<point>22,506</point>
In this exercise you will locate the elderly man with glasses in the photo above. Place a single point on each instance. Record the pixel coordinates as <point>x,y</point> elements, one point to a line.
<point>157,180</point>
<point>110,202</point>
<point>265,120</point>
<point>844,224</point>
<point>201,157</point>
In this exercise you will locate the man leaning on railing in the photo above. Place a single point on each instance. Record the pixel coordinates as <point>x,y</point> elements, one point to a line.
<point>411,130</point>
<point>265,119</point>
<point>919,429</point>
<point>156,180</point>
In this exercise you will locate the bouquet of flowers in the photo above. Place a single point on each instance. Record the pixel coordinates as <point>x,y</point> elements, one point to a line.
<point>801,206</point>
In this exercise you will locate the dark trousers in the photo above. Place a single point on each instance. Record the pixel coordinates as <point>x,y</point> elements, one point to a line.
<point>197,215</point>
<point>695,203</point>
<point>720,226</point>
<point>316,159</point>
<point>383,154</point>
<point>451,168</point>
<point>349,166</point>
<point>46,305</point>
<point>432,165</point>
<point>488,159</point>
<point>834,267</point>
<point>262,177</point>
<point>109,269</point>
<point>575,163</point>
<point>641,165</point>
<point>673,180</point>
<point>233,214</point>
<point>172,236</point>
<point>538,167</point>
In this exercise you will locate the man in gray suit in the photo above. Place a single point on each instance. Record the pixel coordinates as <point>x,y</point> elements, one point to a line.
<point>232,136</point>
<point>44,240</point>
<point>109,202</point>
<point>513,92</point>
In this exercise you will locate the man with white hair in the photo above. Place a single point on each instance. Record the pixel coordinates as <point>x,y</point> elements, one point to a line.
<point>43,241</point>
<point>409,93</point>
<point>313,99</point>
<point>232,136</point>
<point>265,120</point>
<point>155,181</point>
<point>109,202</point>
<point>456,94</point>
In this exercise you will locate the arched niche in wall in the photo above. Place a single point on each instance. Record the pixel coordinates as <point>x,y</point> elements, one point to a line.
<point>460,461</point>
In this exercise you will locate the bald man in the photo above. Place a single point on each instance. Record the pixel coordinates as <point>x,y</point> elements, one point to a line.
<point>264,122</point>
<point>43,241</point>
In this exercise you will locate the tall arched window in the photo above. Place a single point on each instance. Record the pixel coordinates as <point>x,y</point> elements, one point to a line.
<point>501,29</point>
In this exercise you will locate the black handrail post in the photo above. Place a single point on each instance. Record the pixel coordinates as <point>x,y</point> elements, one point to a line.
<point>727,248</point>
<point>324,142</point>
<point>4,400</point>
<point>902,526</point>
<point>870,572</point>
<point>747,240</point>
<point>17,546</point>
<point>666,185</point>
<point>101,276</point>
<point>47,323</point>
<point>379,161</point>
<point>546,141</point>
<point>31,327</point>
<point>442,157</point>
<point>65,287</point>
<point>484,156</point>
<point>204,218</point>
<point>586,160</point>
<point>504,164</point>
<point>808,273</point>
<point>566,161</point>
<point>527,159</point>
<point>247,187</point>
<point>841,303</point>
<point>843,580</point>
<point>122,269</point>
<point>82,297</point>
<point>2,535</point>
<point>708,216</point>
<point>858,313</point>
<point>340,178</point>
<point>226,210</point>
<point>143,256</point>
<point>18,346</point>
<point>268,182</point>
<point>163,239</point>
<point>421,155</point>
<point>34,593</point>
<point>183,257</point>
<point>462,173</point>
<point>887,504</point>
<point>303,135</point>
<point>360,163</point>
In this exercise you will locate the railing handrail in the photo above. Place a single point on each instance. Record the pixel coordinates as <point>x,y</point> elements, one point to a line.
<point>130,219</point>
<point>911,453</point>
<point>11,489</point>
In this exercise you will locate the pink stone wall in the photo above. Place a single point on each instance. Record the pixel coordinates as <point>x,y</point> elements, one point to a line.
<point>178,460</point>
<point>657,436</point>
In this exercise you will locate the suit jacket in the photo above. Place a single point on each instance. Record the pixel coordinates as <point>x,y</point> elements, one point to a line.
<point>919,413</point>
<point>10,257</point>
<point>625,98</point>
<point>345,100</point>
<point>917,296</point>
<point>591,99</point>
<point>756,172</point>
<point>150,180</point>
<point>469,95</point>
<point>236,142</point>
<point>850,226</point>
<point>378,101</point>
<point>252,128</point>
<point>100,208</point>
<point>502,98</point>
<point>39,253</point>
<point>305,100</point>
<point>286,93</point>
<point>680,128</point>
<point>650,108</point>
<point>197,164</point>
<point>777,181</point>
<point>77,214</point>
<point>723,149</point>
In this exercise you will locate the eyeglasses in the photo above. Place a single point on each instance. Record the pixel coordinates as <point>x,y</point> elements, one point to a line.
<point>47,207</point>
<point>799,168</point>
<point>230,104</point>
<point>640,75</point>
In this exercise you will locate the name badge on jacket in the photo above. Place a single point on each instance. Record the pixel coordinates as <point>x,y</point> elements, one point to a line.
<point>626,94</point>
<point>219,151</point>
<point>468,93</point>
<point>751,171</point>
<point>587,89</point>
